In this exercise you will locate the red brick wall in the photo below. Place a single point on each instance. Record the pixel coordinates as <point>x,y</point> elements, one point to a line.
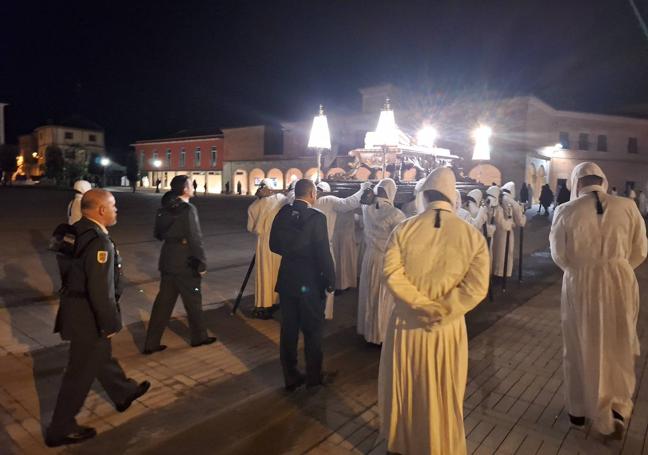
<point>176,147</point>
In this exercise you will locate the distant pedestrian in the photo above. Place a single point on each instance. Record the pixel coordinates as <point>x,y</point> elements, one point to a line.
<point>182,266</point>
<point>614,191</point>
<point>424,360</point>
<point>238,187</point>
<point>598,241</point>
<point>563,195</point>
<point>306,275</point>
<point>524,195</point>
<point>88,316</point>
<point>530,189</point>
<point>195,186</point>
<point>227,188</point>
<point>205,188</point>
<point>157,185</point>
<point>74,207</point>
<point>642,203</point>
<point>632,194</point>
<point>546,199</point>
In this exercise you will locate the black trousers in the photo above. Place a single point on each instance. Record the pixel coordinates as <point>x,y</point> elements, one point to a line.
<point>88,360</point>
<point>305,313</point>
<point>188,287</point>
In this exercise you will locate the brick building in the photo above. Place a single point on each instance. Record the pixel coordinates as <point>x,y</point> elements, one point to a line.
<point>197,153</point>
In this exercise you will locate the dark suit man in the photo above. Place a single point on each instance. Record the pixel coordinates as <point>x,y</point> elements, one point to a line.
<point>88,316</point>
<point>306,274</point>
<point>182,265</point>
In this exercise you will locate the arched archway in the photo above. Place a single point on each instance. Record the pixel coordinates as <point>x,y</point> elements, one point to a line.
<point>311,173</point>
<point>240,176</point>
<point>293,174</point>
<point>531,180</point>
<point>486,174</point>
<point>333,171</point>
<point>256,175</point>
<point>277,179</point>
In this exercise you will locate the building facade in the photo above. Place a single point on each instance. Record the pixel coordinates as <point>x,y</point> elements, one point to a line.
<point>198,154</point>
<point>81,141</point>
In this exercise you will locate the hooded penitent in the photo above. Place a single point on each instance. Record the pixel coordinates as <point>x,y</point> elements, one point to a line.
<point>437,272</point>
<point>441,180</point>
<point>375,303</point>
<point>493,195</point>
<point>74,207</point>
<point>324,187</point>
<point>598,253</point>
<point>509,188</point>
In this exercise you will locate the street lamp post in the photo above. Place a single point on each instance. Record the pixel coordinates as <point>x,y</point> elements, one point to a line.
<point>320,138</point>
<point>386,132</point>
<point>105,162</point>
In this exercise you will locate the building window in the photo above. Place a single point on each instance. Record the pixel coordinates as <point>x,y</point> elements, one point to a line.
<point>141,159</point>
<point>583,141</point>
<point>563,138</point>
<point>155,156</point>
<point>182,157</point>
<point>601,143</point>
<point>214,156</point>
<point>69,135</point>
<point>197,157</point>
<point>633,145</point>
<point>168,158</point>
<point>93,138</point>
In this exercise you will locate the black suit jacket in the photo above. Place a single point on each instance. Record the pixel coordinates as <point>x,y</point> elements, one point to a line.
<point>300,237</point>
<point>178,226</point>
<point>89,301</point>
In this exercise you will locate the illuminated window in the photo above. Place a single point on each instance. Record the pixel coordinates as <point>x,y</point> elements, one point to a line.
<point>182,157</point>
<point>197,157</point>
<point>214,156</point>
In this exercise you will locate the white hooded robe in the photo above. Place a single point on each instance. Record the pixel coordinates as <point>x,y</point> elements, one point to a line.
<point>261,214</point>
<point>600,298</point>
<point>375,302</point>
<point>516,218</point>
<point>437,274</point>
<point>345,251</point>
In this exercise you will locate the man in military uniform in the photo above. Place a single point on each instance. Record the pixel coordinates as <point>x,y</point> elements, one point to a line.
<point>182,266</point>
<point>88,316</point>
<point>299,235</point>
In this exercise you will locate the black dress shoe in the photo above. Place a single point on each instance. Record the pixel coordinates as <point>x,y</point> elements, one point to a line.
<point>79,435</point>
<point>208,340</point>
<point>577,421</point>
<point>161,347</point>
<point>142,388</point>
<point>327,378</point>
<point>295,385</point>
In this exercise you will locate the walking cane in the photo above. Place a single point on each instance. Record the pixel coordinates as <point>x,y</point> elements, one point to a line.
<point>506,256</point>
<point>245,281</point>
<point>520,259</point>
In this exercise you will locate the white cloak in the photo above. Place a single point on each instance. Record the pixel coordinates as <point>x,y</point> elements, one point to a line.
<point>345,251</point>
<point>434,274</point>
<point>375,302</point>
<point>261,214</point>
<point>74,209</point>
<point>507,218</point>
<point>599,302</point>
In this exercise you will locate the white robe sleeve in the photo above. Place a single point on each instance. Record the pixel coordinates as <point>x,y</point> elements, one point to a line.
<point>639,247</point>
<point>518,214</point>
<point>558,240</point>
<point>253,217</point>
<point>347,204</point>
<point>481,218</point>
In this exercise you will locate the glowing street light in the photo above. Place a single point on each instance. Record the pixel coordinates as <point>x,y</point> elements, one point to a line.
<point>320,138</point>
<point>427,136</point>
<point>386,131</point>
<point>104,161</point>
<point>157,163</point>
<point>482,145</point>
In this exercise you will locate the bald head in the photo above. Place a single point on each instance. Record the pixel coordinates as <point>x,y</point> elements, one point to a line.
<point>99,205</point>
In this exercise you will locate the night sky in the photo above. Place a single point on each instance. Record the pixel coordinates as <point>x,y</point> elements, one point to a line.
<point>143,69</point>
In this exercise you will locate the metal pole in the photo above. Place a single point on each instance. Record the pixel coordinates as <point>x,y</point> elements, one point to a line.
<point>384,166</point>
<point>245,282</point>
<point>506,259</point>
<point>318,152</point>
<point>521,249</point>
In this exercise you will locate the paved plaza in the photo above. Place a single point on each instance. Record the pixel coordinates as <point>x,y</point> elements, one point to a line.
<point>228,397</point>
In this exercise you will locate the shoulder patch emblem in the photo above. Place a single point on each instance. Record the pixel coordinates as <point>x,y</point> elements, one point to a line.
<point>102,257</point>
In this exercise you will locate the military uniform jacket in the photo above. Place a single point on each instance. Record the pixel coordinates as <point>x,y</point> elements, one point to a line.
<point>178,226</point>
<point>91,288</point>
<point>299,235</point>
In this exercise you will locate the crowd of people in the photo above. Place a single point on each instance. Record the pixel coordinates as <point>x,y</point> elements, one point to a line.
<point>418,269</point>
